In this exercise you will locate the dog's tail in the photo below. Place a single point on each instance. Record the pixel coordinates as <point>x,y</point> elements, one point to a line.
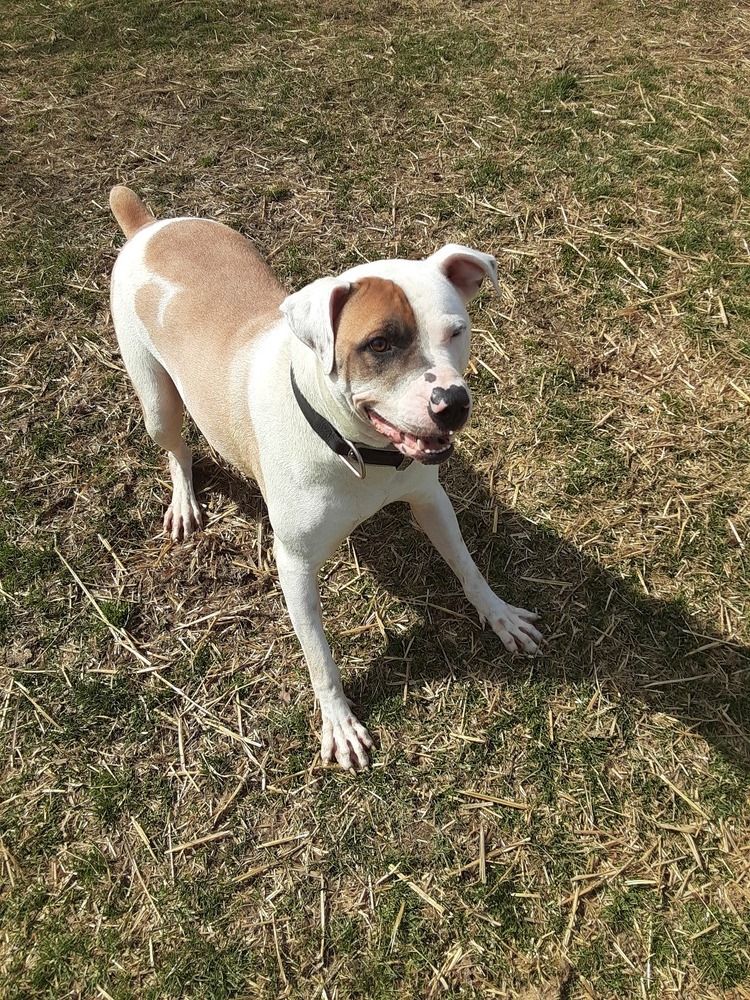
<point>129,210</point>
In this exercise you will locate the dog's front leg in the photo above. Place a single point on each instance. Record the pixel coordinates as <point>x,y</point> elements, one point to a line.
<point>434,513</point>
<point>344,738</point>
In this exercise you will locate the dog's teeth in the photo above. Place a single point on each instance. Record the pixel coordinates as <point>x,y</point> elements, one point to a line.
<point>420,444</point>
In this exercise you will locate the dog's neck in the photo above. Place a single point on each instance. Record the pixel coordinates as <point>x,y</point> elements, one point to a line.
<point>321,393</point>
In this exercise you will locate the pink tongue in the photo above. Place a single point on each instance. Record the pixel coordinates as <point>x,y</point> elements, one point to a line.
<point>409,447</point>
<point>405,442</point>
<point>388,430</point>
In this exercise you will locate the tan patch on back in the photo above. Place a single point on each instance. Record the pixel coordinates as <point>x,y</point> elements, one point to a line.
<point>148,302</point>
<point>376,305</point>
<point>223,280</point>
<point>225,296</point>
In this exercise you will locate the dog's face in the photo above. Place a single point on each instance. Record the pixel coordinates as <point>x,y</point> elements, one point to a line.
<point>393,339</point>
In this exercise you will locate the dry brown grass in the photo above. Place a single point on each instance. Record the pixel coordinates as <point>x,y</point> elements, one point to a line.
<point>576,826</point>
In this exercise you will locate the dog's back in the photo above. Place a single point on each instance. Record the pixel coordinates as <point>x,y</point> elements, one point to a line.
<point>194,295</point>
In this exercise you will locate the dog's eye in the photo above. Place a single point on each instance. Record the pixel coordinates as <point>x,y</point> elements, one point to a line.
<point>379,345</point>
<point>457,332</point>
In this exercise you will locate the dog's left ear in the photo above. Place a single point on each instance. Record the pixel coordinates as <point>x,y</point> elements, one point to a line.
<point>466,268</point>
<point>313,314</point>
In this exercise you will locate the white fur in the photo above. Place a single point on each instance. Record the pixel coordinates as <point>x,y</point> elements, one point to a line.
<point>313,499</point>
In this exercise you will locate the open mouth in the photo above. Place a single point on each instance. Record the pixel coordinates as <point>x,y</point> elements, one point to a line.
<point>428,450</point>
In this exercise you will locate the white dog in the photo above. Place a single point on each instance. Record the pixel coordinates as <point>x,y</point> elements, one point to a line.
<point>337,399</point>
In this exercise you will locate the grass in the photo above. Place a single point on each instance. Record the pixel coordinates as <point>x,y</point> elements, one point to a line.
<point>575,826</point>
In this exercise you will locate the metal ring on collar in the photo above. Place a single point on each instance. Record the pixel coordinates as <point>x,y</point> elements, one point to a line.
<point>359,470</point>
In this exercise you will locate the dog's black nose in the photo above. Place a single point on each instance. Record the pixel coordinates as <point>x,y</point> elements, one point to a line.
<point>449,408</point>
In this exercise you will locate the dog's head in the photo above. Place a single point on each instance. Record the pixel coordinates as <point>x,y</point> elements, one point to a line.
<point>393,339</point>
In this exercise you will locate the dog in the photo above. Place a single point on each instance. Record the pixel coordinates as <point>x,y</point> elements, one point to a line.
<point>337,399</point>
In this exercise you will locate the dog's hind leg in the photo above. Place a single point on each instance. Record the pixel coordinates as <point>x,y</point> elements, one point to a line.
<point>162,412</point>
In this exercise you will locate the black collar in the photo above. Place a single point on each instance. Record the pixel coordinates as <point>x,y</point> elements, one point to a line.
<point>355,456</point>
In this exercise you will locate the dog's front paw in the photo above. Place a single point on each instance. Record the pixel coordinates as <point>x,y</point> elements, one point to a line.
<point>345,740</point>
<point>182,519</point>
<point>515,627</point>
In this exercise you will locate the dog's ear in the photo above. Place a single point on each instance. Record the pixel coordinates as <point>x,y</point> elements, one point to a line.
<point>466,269</point>
<point>313,313</point>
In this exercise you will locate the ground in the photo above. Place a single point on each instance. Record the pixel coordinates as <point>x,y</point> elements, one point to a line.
<point>571,826</point>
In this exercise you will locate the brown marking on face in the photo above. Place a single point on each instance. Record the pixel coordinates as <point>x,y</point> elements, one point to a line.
<point>377,308</point>
<point>430,376</point>
<point>226,295</point>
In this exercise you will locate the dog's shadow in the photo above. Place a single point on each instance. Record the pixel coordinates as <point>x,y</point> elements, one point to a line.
<point>597,626</point>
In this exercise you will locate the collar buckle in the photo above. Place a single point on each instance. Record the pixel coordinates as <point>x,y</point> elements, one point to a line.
<point>353,460</point>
